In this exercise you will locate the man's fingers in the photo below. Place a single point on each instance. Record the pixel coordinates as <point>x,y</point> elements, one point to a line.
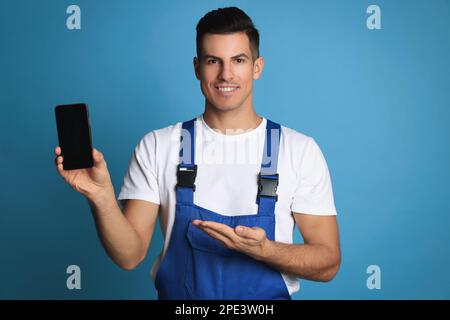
<point>219,227</point>
<point>223,232</point>
<point>59,165</point>
<point>59,159</point>
<point>226,241</point>
<point>60,169</point>
<point>235,242</point>
<point>96,155</point>
<point>254,233</point>
<point>245,232</point>
<point>214,230</point>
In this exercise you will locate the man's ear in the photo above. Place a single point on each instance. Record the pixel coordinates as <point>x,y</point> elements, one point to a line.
<point>258,66</point>
<point>197,68</point>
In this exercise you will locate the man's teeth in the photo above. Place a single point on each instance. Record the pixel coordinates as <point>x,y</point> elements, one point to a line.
<point>226,89</point>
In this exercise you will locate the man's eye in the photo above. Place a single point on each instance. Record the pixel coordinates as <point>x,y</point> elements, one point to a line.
<point>212,61</point>
<point>239,60</point>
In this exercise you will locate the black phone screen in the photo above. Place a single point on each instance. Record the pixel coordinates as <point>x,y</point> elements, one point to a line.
<point>74,135</point>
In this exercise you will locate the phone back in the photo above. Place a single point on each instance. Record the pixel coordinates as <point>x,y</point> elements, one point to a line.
<point>74,135</point>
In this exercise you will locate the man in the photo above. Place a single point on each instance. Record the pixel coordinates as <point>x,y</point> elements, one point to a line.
<point>228,198</point>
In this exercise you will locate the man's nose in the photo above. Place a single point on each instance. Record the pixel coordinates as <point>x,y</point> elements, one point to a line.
<point>226,72</point>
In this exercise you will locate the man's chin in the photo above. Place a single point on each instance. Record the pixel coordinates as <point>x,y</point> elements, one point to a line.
<point>226,107</point>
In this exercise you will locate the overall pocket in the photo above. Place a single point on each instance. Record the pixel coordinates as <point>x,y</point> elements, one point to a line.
<point>215,272</point>
<point>205,265</point>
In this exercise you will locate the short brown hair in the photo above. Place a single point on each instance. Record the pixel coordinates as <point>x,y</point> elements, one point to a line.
<point>225,21</point>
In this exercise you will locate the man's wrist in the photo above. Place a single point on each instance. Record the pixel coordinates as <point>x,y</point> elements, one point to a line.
<point>267,250</point>
<point>103,198</point>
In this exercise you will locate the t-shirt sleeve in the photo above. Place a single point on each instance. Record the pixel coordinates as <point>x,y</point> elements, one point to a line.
<point>314,194</point>
<point>140,181</point>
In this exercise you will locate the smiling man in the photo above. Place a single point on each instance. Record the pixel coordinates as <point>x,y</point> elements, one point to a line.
<point>229,187</point>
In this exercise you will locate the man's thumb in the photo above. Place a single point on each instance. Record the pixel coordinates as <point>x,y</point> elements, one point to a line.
<point>98,157</point>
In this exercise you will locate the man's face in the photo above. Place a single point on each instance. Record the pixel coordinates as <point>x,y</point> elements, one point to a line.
<point>226,70</point>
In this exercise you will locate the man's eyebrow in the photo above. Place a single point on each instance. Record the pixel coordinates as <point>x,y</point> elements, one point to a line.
<point>240,55</point>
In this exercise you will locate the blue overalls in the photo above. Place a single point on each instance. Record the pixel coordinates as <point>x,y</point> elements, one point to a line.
<point>196,265</point>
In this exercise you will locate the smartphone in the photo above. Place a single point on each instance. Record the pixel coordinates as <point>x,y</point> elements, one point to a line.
<point>74,135</point>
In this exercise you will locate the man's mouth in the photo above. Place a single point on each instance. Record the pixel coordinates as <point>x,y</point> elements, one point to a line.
<point>226,90</point>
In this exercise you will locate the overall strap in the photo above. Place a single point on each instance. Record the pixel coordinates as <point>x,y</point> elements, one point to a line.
<point>187,169</point>
<point>268,176</point>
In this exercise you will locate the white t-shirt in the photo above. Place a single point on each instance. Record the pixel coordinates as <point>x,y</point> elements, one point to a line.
<point>227,167</point>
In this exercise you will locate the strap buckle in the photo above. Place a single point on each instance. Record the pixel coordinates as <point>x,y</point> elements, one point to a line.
<point>267,185</point>
<point>186,176</point>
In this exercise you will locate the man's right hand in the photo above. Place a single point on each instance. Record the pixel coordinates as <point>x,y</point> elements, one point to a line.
<point>125,235</point>
<point>92,182</point>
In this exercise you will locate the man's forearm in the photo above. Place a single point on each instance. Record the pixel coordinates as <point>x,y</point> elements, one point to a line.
<point>118,237</point>
<point>309,261</point>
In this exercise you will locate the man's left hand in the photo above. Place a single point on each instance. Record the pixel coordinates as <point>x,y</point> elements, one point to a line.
<point>251,241</point>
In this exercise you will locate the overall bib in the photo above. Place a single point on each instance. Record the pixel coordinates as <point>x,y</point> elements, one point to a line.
<point>197,266</point>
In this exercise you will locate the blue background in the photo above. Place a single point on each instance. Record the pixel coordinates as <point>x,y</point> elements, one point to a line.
<point>376,101</point>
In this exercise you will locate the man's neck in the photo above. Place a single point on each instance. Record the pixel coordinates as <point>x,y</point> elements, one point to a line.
<point>231,121</point>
